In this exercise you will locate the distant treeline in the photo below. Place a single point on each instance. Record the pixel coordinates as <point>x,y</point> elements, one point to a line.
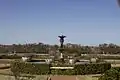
<point>68,48</point>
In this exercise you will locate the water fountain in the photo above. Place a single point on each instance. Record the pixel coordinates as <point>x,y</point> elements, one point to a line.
<point>61,49</point>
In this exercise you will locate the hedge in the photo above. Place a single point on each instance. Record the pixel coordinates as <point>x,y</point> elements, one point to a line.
<point>44,69</point>
<point>30,68</point>
<point>10,57</point>
<point>93,68</point>
<point>62,71</point>
<point>109,57</point>
<point>111,74</point>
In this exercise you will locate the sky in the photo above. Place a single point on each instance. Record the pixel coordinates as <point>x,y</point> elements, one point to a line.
<point>88,22</point>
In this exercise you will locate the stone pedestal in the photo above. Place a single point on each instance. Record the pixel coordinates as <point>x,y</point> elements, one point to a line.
<point>61,55</point>
<point>71,61</point>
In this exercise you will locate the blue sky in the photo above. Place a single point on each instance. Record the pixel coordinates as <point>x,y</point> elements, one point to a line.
<point>82,21</point>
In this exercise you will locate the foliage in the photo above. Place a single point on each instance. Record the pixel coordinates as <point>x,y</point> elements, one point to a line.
<point>93,68</point>
<point>69,48</point>
<point>10,57</point>
<point>112,74</point>
<point>19,67</point>
<point>109,57</point>
<point>25,48</point>
<point>29,68</point>
<point>62,71</point>
<point>81,69</point>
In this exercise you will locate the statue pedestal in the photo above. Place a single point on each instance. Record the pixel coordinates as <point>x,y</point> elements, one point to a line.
<point>61,58</point>
<point>61,55</point>
<point>61,51</point>
<point>62,61</point>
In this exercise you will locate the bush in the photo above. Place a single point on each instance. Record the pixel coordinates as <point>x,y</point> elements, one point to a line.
<point>30,68</point>
<point>18,67</point>
<point>62,72</point>
<point>109,57</point>
<point>112,74</point>
<point>10,57</point>
<point>93,68</point>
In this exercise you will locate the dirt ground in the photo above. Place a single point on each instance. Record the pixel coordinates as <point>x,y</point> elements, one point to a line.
<point>63,78</point>
<point>115,65</point>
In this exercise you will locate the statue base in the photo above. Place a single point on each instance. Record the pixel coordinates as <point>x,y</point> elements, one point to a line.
<point>61,50</point>
<point>62,61</point>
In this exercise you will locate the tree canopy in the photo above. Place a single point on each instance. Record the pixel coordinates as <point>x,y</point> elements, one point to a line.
<point>68,48</point>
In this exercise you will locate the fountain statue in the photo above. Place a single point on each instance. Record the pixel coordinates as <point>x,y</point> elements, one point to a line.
<point>61,45</point>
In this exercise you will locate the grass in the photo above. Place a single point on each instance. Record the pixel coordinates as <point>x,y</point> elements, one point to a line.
<point>87,77</point>
<point>6,77</point>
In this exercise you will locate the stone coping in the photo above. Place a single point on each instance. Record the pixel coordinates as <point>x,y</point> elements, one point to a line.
<point>61,67</point>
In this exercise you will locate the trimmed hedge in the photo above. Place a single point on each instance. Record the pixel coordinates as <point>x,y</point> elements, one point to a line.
<point>93,68</point>
<point>62,71</point>
<point>10,57</point>
<point>30,68</point>
<point>44,69</point>
<point>109,57</point>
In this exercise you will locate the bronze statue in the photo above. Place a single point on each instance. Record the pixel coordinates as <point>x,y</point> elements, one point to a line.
<point>61,40</point>
<point>118,2</point>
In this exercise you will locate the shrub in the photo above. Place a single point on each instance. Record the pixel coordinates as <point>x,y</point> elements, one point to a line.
<point>62,72</point>
<point>18,67</point>
<point>10,57</point>
<point>93,68</point>
<point>109,57</point>
<point>30,68</point>
<point>112,74</point>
